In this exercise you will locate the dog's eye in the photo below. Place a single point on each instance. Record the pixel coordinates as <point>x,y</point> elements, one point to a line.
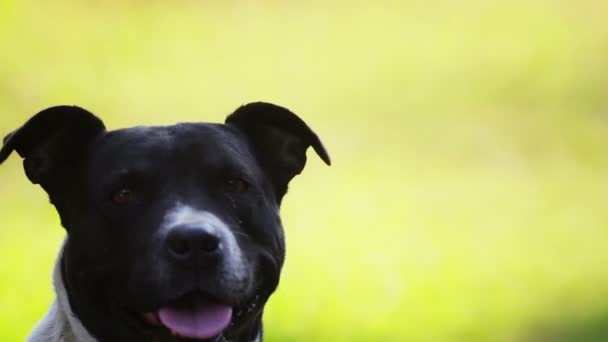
<point>236,185</point>
<point>123,196</point>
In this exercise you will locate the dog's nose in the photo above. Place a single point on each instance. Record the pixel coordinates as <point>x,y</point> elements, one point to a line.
<point>191,242</point>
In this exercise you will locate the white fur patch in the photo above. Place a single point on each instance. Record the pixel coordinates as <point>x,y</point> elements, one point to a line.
<point>186,215</point>
<point>60,324</point>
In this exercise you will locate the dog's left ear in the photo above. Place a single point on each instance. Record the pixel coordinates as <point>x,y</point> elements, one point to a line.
<point>50,142</point>
<point>280,140</point>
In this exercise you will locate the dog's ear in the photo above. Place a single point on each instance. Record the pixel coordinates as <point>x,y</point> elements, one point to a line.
<point>280,140</point>
<point>50,142</point>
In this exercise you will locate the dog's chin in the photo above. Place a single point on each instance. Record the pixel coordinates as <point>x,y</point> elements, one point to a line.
<point>193,317</point>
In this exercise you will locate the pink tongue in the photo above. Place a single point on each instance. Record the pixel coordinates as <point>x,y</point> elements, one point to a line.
<point>205,320</point>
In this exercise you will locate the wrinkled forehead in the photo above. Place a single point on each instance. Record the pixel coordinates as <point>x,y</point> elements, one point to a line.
<point>185,145</point>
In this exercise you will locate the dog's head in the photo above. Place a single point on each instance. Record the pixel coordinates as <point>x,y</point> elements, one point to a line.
<point>174,231</point>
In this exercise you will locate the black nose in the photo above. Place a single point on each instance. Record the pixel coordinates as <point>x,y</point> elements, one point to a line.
<point>189,243</point>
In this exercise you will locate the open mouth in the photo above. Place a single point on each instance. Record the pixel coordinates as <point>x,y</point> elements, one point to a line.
<point>192,316</point>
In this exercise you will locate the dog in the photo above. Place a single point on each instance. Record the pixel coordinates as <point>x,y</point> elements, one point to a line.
<point>173,232</point>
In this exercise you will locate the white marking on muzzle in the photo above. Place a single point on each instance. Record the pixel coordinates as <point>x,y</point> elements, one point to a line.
<point>182,215</point>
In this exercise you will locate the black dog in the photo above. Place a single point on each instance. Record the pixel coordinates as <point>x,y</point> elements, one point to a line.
<point>173,232</point>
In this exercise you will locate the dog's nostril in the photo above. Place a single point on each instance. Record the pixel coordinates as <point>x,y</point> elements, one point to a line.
<point>210,244</point>
<point>179,246</point>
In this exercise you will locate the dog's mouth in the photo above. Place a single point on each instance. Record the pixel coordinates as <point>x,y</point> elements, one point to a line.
<point>195,316</point>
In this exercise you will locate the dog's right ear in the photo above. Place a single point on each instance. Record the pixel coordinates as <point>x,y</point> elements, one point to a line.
<point>51,141</point>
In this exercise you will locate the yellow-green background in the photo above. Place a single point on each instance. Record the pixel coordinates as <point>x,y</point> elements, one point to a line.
<point>468,200</point>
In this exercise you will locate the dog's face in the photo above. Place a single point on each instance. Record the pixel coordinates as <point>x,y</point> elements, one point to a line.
<point>173,232</point>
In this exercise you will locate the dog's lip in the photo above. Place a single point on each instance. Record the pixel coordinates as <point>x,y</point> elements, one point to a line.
<point>152,318</point>
<point>246,309</point>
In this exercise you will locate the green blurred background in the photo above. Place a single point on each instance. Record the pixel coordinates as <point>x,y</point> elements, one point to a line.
<point>468,196</point>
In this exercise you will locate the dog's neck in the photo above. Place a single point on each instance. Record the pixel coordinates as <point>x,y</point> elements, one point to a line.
<point>60,324</point>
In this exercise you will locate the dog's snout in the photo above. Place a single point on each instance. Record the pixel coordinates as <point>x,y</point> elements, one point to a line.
<point>188,243</point>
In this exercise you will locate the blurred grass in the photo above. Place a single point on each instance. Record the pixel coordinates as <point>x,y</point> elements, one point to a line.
<point>467,197</point>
